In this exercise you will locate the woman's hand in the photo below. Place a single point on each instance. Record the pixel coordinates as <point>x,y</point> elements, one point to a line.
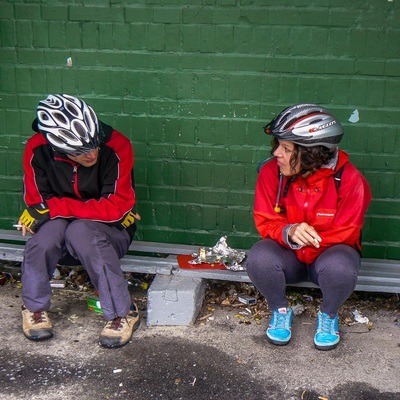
<point>304,235</point>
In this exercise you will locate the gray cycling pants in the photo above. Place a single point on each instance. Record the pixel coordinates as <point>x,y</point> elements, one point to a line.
<point>271,266</point>
<point>98,247</point>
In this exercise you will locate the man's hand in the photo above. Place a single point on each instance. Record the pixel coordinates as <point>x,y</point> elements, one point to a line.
<point>304,235</point>
<point>33,217</point>
<point>128,220</point>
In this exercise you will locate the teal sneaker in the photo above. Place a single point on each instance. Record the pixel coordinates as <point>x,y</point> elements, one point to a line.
<point>327,336</point>
<point>279,330</point>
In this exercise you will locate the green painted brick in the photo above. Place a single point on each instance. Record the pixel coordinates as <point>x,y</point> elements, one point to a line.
<point>54,12</point>
<point>90,35</point>
<point>7,11</point>
<point>40,34</point>
<point>197,15</point>
<point>189,196</point>
<point>89,13</point>
<point>8,79</point>
<point>224,219</point>
<point>162,214</point>
<point>38,80</point>
<point>254,15</point>
<point>105,36</point>
<point>171,172</point>
<point>370,67</point>
<point>204,175</point>
<point>27,11</point>
<point>162,150</point>
<point>225,16</point>
<point>57,36</point>
<point>83,78</point>
<point>73,35</point>
<point>288,16</point>
<point>24,33</point>
<point>240,198</point>
<point>134,106</point>
<point>155,170</point>
<point>7,33</point>
<point>138,14</point>
<point>188,174</point>
<point>108,58</point>
<point>155,39</point>
<point>178,216</point>
<point>167,15</point>
<point>209,217</point>
<point>194,216</point>
<point>376,93</point>
<point>162,193</point>
<point>54,80</point>
<point>243,39</point>
<point>173,39</point>
<point>216,197</point>
<point>121,33</point>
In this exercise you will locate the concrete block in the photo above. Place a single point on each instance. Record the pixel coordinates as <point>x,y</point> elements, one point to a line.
<point>174,300</point>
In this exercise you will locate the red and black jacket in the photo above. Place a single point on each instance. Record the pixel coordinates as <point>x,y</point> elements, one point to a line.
<point>104,192</point>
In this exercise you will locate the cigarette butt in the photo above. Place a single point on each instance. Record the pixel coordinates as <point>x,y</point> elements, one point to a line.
<point>17,226</point>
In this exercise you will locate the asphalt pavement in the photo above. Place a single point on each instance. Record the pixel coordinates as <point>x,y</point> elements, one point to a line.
<point>223,356</point>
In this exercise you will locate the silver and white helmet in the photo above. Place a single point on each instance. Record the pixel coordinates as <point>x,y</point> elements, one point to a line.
<point>69,124</point>
<point>307,125</point>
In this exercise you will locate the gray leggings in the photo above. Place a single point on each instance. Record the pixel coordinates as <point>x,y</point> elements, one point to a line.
<point>98,247</point>
<point>271,266</point>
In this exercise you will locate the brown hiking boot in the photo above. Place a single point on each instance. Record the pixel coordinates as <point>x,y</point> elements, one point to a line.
<point>118,331</point>
<point>36,325</point>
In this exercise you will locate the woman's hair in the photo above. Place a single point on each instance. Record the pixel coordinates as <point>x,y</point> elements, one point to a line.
<point>311,158</point>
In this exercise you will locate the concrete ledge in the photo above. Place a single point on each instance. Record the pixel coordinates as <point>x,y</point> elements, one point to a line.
<point>174,300</point>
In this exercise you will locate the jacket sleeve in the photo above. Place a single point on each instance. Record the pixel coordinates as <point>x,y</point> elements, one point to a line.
<point>269,223</point>
<point>36,184</point>
<point>117,194</point>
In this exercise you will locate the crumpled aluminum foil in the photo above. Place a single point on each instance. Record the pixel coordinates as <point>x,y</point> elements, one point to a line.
<point>220,253</point>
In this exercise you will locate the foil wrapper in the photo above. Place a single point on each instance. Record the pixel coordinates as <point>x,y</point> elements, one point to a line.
<point>221,253</point>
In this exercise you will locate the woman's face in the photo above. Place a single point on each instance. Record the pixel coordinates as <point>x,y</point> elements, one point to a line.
<point>87,159</point>
<point>283,154</point>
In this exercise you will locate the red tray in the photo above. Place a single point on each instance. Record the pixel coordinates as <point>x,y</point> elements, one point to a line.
<point>183,261</point>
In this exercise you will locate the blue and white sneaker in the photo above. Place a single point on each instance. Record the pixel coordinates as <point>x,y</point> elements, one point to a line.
<point>279,330</point>
<point>327,336</point>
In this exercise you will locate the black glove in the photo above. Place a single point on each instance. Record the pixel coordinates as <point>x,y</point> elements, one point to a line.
<point>128,220</point>
<point>35,216</point>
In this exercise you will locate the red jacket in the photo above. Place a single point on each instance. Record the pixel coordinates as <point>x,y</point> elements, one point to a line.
<point>337,214</point>
<point>103,192</point>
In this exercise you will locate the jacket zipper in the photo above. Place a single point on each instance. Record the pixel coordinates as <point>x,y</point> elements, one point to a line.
<point>75,180</point>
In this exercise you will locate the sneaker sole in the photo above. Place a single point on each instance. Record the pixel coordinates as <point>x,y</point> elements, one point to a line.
<point>324,348</point>
<point>39,336</point>
<point>117,345</point>
<point>277,342</point>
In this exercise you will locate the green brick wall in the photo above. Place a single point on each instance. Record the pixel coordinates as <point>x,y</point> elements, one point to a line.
<point>192,83</point>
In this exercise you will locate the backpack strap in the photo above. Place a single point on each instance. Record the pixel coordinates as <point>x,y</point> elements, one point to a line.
<point>338,176</point>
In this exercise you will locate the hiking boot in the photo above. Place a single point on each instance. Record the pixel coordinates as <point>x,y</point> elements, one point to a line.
<point>327,336</point>
<point>118,331</point>
<point>279,330</point>
<point>36,325</point>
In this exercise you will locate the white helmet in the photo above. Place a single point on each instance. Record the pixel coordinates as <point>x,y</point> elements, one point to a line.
<point>69,124</point>
<point>307,125</point>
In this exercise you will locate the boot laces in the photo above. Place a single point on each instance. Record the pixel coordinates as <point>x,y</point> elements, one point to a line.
<point>38,317</point>
<point>118,323</point>
<point>326,324</point>
<point>280,321</point>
